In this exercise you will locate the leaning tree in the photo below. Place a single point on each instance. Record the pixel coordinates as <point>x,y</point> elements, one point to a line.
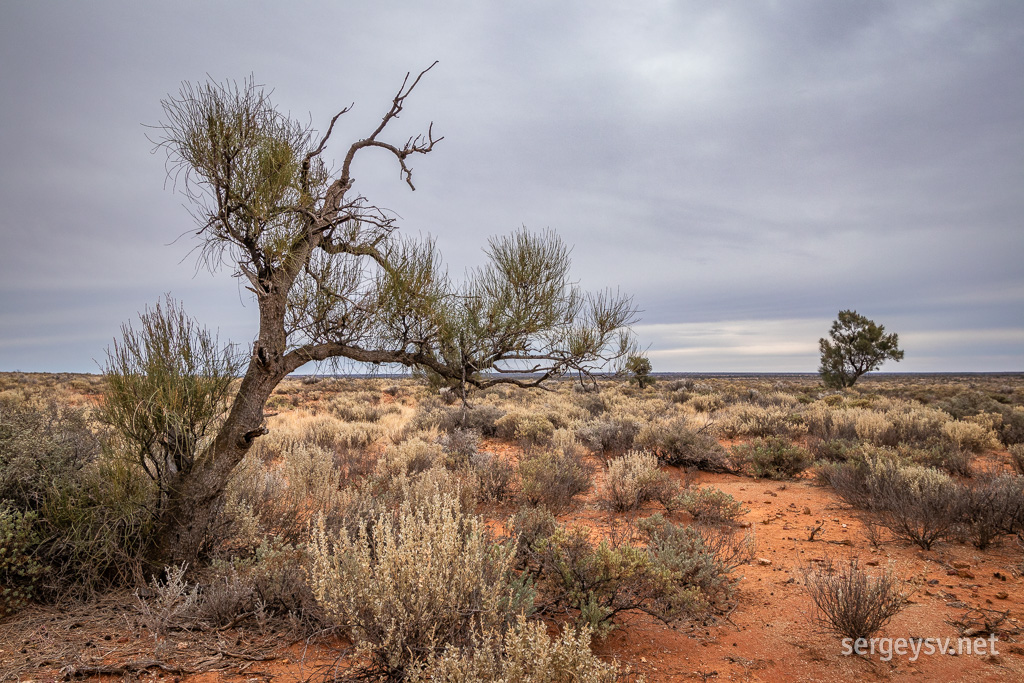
<point>333,279</point>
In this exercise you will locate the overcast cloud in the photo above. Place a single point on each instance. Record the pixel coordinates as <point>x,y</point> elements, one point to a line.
<point>745,170</point>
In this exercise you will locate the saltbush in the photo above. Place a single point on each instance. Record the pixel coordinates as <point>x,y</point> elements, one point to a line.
<point>675,443</point>
<point>710,505</point>
<point>554,478</point>
<point>634,479</point>
<point>425,582</point>
<point>773,457</point>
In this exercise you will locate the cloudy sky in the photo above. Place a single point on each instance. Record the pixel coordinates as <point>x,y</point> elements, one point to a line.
<point>744,169</point>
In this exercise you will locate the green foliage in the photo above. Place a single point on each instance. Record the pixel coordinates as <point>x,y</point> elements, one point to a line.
<point>19,569</point>
<point>857,346</point>
<point>166,387</point>
<point>527,427</point>
<point>710,505</point>
<point>599,581</point>
<point>43,447</point>
<point>668,571</point>
<point>773,457</point>
<point>611,435</point>
<point>918,504</point>
<point>554,477</point>
<point>91,509</point>
<point>675,443</point>
<point>639,370</point>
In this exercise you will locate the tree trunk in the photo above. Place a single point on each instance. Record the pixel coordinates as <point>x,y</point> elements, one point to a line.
<point>187,526</point>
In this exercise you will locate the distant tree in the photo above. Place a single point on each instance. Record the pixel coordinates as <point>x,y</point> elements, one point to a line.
<point>333,280</point>
<point>855,346</point>
<point>639,369</point>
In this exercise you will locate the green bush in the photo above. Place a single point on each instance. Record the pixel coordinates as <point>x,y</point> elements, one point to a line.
<point>832,450</point>
<point>19,569</point>
<point>425,581</point>
<point>554,478</point>
<point>600,581</point>
<point>496,476</point>
<point>528,428</point>
<point>918,504</point>
<point>773,457</point>
<point>671,572</point>
<point>676,444</point>
<point>92,509</point>
<point>710,505</point>
<point>43,448</point>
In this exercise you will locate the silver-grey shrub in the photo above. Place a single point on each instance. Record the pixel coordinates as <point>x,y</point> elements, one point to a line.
<point>426,580</point>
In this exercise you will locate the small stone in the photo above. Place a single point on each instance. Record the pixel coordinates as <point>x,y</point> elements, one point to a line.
<point>964,574</point>
<point>961,565</point>
<point>764,561</point>
<point>807,510</point>
<point>1002,595</point>
<point>872,563</point>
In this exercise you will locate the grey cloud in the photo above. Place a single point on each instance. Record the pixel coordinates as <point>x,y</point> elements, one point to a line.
<point>723,162</point>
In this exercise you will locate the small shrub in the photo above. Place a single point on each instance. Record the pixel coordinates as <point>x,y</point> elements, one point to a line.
<point>172,604</point>
<point>674,443</point>
<point>969,436</point>
<point>918,504</point>
<point>991,505</point>
<point>1011,430</point>
<point>772,458</point>
<point>700,558</point>
<point>634,479</point>
<point>760,421</point>
<point>669,571</point>
<point>1017,457</point>
<point>460,446</point>
<point>598,582</point>
<point>610,436</point>
<point>832,450</point>
<point>528,428</point>
<point>705,403</point>
<point>19,569</point>
<point>496,476</point>
<point>410,457</point>
<point>523,653</point>
<point>426,580</point>
<point>851,602</point>
<point>710,505</point>
<point>554,478</point>
<point>941,455</point>
<point>43,448</point>
<point>528,526</point>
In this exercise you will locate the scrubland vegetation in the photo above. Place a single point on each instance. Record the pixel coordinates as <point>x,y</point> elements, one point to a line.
<point>425,539</point>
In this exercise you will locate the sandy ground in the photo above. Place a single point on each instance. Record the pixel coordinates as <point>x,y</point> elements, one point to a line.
<point>771,635</point>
